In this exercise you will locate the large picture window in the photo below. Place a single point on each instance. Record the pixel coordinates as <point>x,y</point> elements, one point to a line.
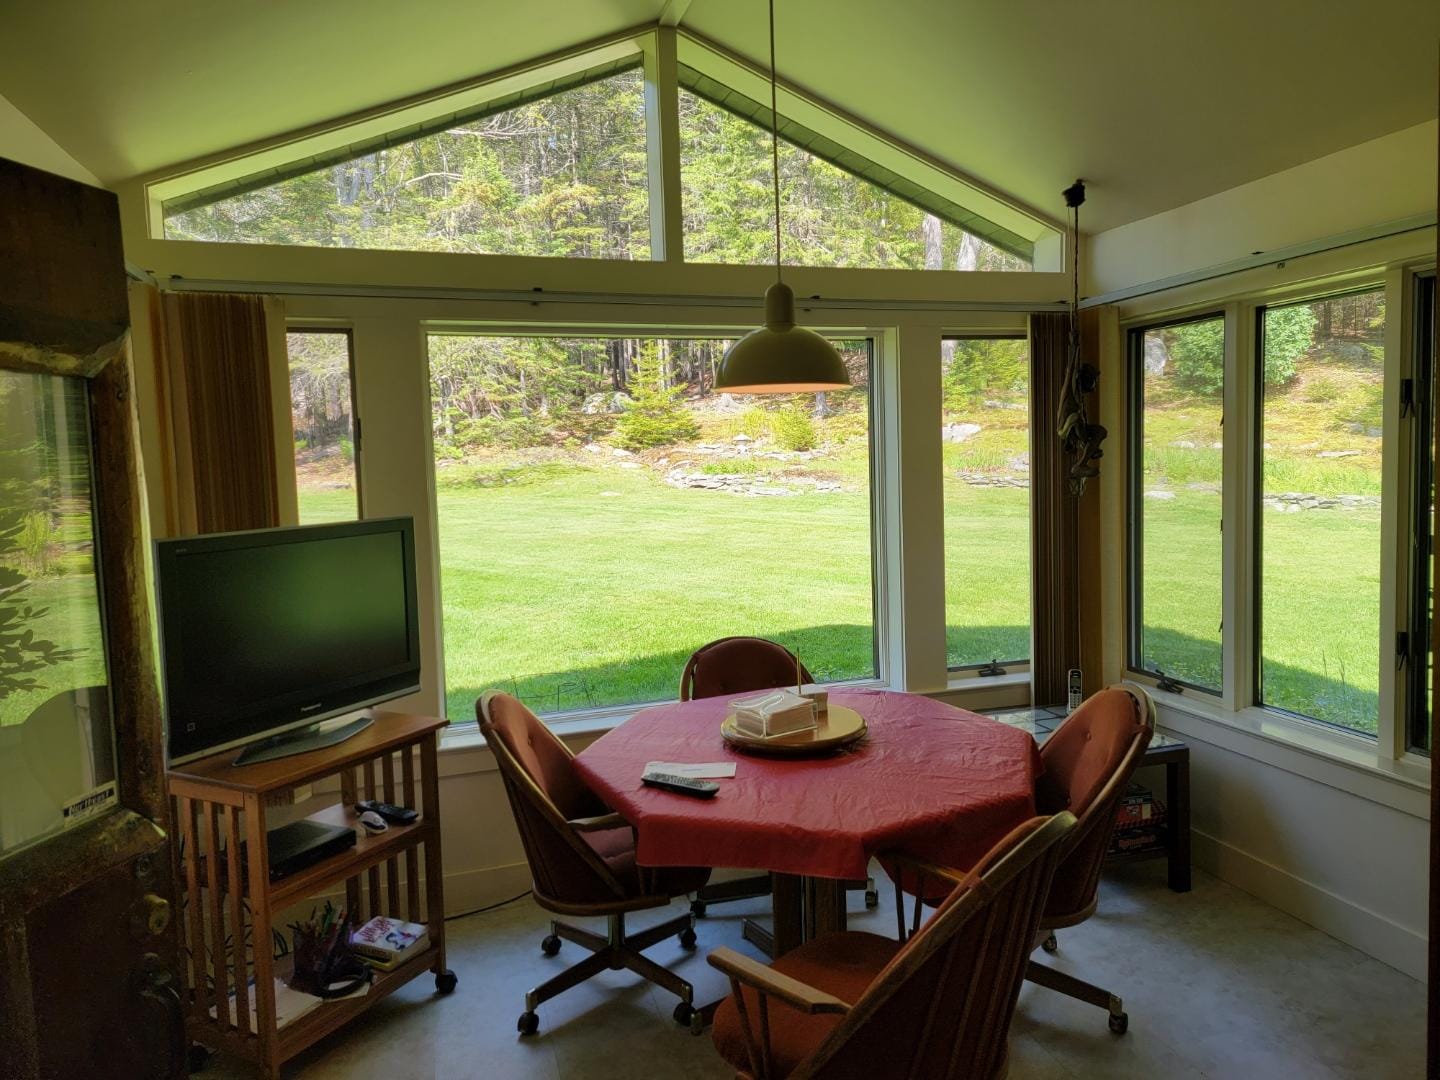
<point>602,514</point>
<point>985,384</point>
<point>1177,385</point>
<point>1321,380</point>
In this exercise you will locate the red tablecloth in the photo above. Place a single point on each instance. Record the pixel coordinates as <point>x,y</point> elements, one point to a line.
<point>930,779</point>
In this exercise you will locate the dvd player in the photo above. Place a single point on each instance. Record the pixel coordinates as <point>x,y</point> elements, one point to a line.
<point>304,843</point>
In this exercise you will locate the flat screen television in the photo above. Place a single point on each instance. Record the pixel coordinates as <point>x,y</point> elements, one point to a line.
<point>268,632</point>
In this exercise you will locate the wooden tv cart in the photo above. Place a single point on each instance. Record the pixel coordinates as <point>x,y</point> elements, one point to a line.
<point>218,806</point>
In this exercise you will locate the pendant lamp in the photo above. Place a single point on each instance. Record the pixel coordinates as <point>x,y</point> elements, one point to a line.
<point>780,357</point>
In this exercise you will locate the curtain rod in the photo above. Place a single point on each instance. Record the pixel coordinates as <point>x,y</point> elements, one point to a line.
<point>1266,258</point>
<point>539,296</point>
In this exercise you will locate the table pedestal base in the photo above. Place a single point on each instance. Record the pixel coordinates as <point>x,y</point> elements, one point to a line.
<point>804,908</point>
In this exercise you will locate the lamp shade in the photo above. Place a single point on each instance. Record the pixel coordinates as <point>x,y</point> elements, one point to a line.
<point>780,357</point>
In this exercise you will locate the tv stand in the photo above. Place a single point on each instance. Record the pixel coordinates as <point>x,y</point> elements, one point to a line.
<point>302,741</point>
<point>231,907</point>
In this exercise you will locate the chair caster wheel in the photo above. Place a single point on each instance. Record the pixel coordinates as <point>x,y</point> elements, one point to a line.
<point>687,938</point>
<point>445,981</point>
<point>197,1057</point>
<point>1119,1023</point>
<point>697,908</point>
<point>551,945</point>
<point>872,899</point>
<point>528,1024</point>
<point>1050,945</point>
<point>686,1015</point>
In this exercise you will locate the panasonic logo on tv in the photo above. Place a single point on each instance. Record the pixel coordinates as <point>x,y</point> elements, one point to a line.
<point>311,708</point>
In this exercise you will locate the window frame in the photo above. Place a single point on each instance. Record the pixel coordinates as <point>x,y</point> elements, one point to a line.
<point>1235,719</point>
<point>1388,497</point>
<point>1134,359</point>
<point>1424,294</point>
<point>660,52</point>
<point>311,326</point>
<point>599,718</point>
<point>987,670</point>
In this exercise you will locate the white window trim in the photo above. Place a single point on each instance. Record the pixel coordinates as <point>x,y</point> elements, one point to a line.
<point>658,47</point>
<point>1385,757</point>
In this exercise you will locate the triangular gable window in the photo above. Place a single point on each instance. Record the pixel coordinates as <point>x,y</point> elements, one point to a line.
<point>838,208</point>
<point>557,170</point>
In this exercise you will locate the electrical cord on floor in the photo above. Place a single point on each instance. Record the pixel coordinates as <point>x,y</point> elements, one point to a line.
<point>491,907</point>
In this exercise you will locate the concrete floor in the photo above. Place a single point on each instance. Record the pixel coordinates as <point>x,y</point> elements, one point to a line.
<point>1217,984</point>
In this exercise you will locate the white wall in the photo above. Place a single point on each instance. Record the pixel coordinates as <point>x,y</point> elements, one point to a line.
<point>1339,848</point>
<point>22,140</point>
<point>1388,179</point>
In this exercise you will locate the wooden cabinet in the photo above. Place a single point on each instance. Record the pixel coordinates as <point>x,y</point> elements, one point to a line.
<point>226,932</point>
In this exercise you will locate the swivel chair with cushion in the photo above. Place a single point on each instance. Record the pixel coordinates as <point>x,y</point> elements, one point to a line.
<point>745,665</point>
<point>935,1007</point>
<point>1088,761</point>
<point>582,861</point>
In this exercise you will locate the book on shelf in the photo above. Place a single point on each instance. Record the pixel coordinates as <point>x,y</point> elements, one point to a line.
<point>384,942</point>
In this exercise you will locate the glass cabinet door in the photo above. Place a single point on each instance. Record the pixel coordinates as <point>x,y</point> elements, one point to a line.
<point>57,746</point>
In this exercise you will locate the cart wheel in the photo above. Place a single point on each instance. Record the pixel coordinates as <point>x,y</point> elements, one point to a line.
<point>551,945</point>
<point>197,1057</point>
<point>686,1015</point>
<point>687,938</point>
<point>1119,1023</point>
<point>445,981</point>
<point>697,908</point>
<point>1050,944</point>
<point>528,1024</point>
<point>872,899</point>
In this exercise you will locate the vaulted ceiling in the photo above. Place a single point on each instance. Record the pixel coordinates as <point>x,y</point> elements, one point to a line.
<point>1155,102</point>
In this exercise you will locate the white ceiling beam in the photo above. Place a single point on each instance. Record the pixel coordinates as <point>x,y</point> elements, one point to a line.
<point>673,12</point>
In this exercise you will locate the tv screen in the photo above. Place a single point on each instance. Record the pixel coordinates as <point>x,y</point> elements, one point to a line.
<point>275,629</point>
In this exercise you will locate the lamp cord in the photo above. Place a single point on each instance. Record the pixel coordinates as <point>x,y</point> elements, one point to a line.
<point>775,141</point>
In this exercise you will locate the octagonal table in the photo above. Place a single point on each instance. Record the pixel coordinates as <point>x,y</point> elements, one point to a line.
<point>930,779</point>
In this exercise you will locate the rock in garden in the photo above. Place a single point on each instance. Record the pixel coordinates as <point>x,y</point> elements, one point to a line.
<point>958,433</point>
<point>1156,357</point>
<point>1338,453</point>
<point>1159,495</point>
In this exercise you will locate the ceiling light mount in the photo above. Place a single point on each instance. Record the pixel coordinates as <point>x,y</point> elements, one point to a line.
<point>780,357</point>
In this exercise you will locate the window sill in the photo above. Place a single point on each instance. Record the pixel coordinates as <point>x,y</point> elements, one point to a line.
<point>961,683</point>
<point>460,743</point>
<point>1350,763</point>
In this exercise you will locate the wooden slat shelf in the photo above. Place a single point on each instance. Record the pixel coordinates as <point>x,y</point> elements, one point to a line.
<point>219,807</point>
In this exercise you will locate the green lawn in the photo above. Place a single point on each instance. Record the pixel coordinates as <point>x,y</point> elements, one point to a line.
<point>1320,604</point>
<point>577,583</point>
<point>71,620</point>
<point>592,586</point>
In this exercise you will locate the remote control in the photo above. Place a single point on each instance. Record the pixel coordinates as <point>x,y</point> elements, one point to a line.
<point>396,815</point>
<point>682,785</point>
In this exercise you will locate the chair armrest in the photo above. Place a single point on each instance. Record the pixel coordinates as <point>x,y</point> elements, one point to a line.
<point>598,823</point>
<point>770,982</point>
<point>925,867</point>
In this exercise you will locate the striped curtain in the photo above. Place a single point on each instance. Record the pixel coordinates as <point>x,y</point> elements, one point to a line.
<point>216,411</point>
<point>1054,552</point>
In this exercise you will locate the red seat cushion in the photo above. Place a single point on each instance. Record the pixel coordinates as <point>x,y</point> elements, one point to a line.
<point>839,964</point>
<point>617,848</point>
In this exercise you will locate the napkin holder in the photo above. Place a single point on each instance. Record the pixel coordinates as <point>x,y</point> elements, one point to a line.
<point>780,712</point>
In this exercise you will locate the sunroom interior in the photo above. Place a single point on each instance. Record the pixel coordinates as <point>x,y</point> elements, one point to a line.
<point>481,270</point>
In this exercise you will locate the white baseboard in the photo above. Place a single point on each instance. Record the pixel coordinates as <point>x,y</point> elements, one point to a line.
<point>1371,933</point>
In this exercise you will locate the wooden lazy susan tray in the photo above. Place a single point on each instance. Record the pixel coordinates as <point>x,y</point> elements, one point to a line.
<point>839,727</point>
